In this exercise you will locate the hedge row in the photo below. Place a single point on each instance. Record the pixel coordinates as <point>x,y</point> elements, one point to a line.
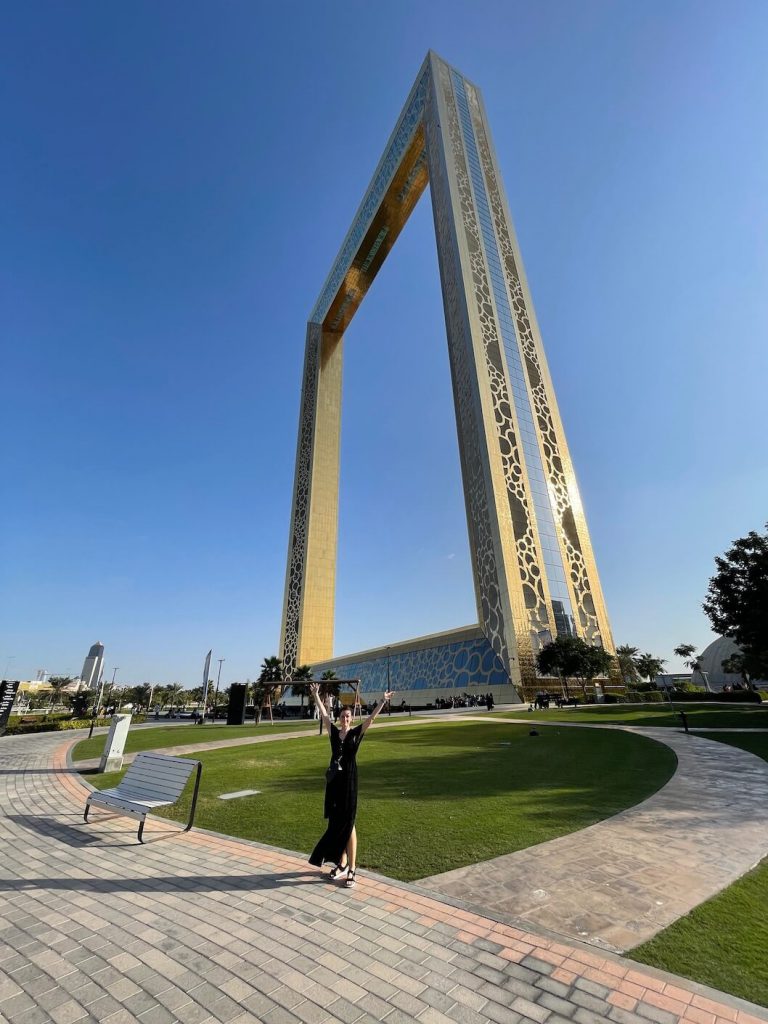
<point>702,697</point>
<point>61,725</point>
<point>736,697</point>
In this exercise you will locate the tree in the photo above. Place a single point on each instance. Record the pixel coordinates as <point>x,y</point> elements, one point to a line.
<point>57,684</point>
<point>649,666</point>
<point>80,703</point>
<point>300,682</point>
<point>596,662</point>
<point>737,600</point>
<point>736,664</point>
<point>329,684</point>
<point>625,656</point>
<point>271,670</point>
<point>139,695</point>
<point>329,687</point>
<point>173,694</point>
<point>689,656</point>
<point>570,657</point>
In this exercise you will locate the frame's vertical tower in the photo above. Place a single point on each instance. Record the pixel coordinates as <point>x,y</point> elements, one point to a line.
<point>532,560</point>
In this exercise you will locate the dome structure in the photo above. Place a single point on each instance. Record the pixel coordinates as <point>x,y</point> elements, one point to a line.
<point>711,664</point>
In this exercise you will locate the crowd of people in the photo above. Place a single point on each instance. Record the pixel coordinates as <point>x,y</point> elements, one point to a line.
<point>466,700</point>
<point>543,699</point>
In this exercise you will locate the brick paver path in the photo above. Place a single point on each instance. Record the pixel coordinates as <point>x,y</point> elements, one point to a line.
<point>201,928</point>
<point>618,882</point>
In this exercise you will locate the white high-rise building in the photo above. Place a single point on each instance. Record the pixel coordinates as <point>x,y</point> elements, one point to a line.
<point>93,666</point>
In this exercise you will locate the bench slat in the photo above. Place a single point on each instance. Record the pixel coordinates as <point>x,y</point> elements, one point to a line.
<point>144,774</point>
<point>142,793</point>
<point>153,770</point>
<point>141,805</point>
<point>165,759</point>
<point>154,779</point>
<point>152,776</point>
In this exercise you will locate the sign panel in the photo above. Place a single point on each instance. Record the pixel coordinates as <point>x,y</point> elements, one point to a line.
<point>8,688</point>
<point>112,757</point>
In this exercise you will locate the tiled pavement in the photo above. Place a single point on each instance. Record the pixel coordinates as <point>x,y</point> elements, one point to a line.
<point>201,928</point>
<point>618,882</point>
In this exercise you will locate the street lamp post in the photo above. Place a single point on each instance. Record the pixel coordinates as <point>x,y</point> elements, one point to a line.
<point>97,705</point>
<point>112,684</point>
<point>216,691</point>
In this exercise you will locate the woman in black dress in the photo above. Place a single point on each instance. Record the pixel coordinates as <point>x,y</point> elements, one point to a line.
<point>339,843</point>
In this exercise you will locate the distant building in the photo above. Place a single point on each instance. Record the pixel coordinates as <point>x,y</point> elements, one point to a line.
<point>711,665</point>
<point>93,666</point>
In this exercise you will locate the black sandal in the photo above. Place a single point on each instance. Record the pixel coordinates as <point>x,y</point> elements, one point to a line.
<point>350,880</point>
<point>338,872</point>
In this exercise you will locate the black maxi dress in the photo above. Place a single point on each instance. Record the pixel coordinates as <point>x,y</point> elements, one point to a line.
<point>340,797</point>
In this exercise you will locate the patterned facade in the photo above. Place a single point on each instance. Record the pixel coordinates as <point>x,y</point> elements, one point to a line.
<point>533,567</point>
<point>463,660</point>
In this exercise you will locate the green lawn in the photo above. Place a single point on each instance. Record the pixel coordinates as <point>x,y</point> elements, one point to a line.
<point>181,735</point>
<point>433,797</point>
<point>723,942</point>
<point>699,716</point>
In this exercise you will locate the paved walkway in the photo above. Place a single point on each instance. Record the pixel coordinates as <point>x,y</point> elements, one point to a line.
<point>202,928</point>
<point>618,882</point>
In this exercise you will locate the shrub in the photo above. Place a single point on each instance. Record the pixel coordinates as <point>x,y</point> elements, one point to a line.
<point>645,697</point>
<point>610,698</point>
<point>736,697</point>
<point>60,725</point>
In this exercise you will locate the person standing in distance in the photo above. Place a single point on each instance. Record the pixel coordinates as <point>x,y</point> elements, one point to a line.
<point>338,845</point>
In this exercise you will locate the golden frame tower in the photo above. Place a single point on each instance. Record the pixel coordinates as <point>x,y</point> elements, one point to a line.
<point>533,567</point>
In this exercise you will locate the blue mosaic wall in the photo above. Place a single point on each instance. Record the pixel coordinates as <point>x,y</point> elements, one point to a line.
<point>450,666</point>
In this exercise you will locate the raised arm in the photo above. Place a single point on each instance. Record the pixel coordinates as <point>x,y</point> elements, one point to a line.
<point>314,689</point>
<point>382,703</point>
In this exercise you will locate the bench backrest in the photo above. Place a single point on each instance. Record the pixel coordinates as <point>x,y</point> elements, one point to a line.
<point>156,777</point>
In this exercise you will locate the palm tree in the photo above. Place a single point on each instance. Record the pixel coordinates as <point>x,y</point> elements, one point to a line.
<point>649,666</point>
<point>57,685</point>
<point>329,687</point>
<point>271,670</point>
<point>625,655</point>
<point>300,683</point>
<point>173,693</point>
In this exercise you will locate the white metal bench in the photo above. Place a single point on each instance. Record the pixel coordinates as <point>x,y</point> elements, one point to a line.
<point>152,780</point>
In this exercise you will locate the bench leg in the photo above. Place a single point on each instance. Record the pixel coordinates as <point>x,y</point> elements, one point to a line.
<point>141,828</point>
<point>194,796</point>
<point>87,808</point>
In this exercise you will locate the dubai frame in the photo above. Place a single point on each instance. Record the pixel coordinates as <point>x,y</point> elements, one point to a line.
<point>533,567</point>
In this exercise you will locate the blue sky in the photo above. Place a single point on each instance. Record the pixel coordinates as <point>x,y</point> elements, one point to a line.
<point>176,179</point>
